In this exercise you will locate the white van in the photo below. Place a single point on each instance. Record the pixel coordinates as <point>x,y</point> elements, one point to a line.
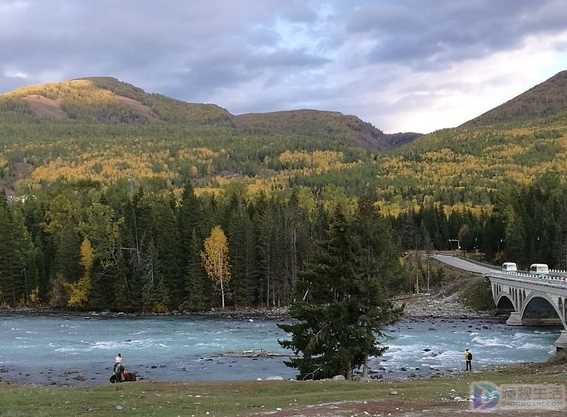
<point>539,269</point>
<point>509,267</point>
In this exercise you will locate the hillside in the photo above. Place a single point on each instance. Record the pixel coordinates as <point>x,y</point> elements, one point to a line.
<point>545,100</point>
<point>104,100</point>
<point>475,164</point>
<point>321,124</point>
<point>110,101</point>
<point>159,141</point>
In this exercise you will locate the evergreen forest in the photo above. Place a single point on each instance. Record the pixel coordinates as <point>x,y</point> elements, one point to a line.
<point>115,199</point>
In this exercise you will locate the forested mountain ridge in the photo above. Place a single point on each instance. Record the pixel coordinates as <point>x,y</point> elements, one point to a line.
<point>108,100</point>
<point>477,163</point>
<point>545,100</point>
<point>465,168</point>
<point>323,123</point>
<point>103,100</point>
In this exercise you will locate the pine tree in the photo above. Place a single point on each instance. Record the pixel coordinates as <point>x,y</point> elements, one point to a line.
<point>341,306</point>
<point>168,249</point>
<point>68,255</point>
<point>196,280</point>
<point>10,263</point>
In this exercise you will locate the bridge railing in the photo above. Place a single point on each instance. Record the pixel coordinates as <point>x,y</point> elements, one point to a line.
<point>537,277</point>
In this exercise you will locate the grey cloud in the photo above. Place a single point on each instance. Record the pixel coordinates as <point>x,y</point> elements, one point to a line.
<point>294,53</point>
<point>434,33</point>
<point>213,44</point>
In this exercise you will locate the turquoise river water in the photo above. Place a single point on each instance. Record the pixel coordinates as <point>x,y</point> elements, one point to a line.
<point>80,350</point>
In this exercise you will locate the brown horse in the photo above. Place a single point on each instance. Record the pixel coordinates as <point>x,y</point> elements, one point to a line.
<point>129,376</point>
<point>124,376</point>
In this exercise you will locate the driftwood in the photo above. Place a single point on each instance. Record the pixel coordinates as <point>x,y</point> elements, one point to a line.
<point>256,353</point>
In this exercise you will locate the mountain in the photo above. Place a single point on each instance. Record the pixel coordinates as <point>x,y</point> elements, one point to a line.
<point>91,136</point>
<point>321,124</point>
<point>474,165</point>
<point>545,100</point>
<point>108,100</point>
<point>105,100</point>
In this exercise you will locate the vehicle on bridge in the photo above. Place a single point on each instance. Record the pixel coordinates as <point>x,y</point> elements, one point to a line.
<point>539,269</point>
<point>509,267</point>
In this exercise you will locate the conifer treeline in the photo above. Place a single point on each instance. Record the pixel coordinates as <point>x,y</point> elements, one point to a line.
<point>116,248</point>
<point>527,225</point>
<point>74,246</point>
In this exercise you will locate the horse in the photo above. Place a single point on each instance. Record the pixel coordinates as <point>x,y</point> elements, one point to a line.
<point>125,376</point>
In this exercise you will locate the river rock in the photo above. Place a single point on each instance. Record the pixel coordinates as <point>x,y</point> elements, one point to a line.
<point>338,378</point>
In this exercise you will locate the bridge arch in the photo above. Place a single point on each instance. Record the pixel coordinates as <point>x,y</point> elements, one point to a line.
<point>505,303</point>
<point>542,307</point>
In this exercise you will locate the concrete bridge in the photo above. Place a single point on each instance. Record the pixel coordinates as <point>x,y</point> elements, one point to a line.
<point>531,299</point>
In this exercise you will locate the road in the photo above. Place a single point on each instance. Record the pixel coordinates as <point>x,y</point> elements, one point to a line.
<point>464,265</point>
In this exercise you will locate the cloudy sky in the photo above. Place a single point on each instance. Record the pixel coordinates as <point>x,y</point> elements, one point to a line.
<point>405,65</point>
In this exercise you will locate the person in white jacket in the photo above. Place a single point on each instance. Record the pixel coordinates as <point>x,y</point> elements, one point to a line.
<point>119,367</point>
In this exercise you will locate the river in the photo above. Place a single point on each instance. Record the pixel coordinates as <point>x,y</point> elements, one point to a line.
<point>80,350</point>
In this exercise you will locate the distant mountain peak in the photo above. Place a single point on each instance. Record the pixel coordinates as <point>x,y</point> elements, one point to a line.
<point>545,100</point>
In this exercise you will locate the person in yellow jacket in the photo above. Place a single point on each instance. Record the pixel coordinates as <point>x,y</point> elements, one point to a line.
<point>468,360</point>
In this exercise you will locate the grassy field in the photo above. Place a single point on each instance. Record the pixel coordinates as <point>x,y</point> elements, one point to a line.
<point>259,398</point>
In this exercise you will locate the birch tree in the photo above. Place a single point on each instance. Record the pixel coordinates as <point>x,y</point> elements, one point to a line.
<point>216,260</point>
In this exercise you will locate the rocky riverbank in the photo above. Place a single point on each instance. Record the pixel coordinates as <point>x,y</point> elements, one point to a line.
<point>440,306</point>
<point>419,306</point>
<point>242,314</point>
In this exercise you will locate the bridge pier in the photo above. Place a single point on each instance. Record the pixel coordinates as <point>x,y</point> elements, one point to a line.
<point>515,319</point>
<point>561,343</point>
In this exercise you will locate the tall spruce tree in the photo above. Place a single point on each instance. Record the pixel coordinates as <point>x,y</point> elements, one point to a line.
<point>341,306</point>
<point>168,250</point>
<point>196,280</point>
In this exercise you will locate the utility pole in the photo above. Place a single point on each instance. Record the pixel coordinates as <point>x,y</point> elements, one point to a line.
<point>428,276</point>
<point>416,278</point>
<point>416,268</point>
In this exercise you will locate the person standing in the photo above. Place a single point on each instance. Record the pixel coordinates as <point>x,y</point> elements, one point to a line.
<point>118,367</point>
<point>468,360</point>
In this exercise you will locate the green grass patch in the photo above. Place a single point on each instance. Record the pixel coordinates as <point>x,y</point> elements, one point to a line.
<point>238,398</point>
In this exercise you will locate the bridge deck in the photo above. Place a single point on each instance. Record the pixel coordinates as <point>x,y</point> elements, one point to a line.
<point>552,279</point>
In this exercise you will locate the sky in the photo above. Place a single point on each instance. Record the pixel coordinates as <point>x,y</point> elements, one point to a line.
<point>403,65</point>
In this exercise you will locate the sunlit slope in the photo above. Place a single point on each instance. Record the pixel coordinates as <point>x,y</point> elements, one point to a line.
<point>474,164</point>
<point>468,167</point>
<point>104,100</point>
<point>110,101</point>
<point>544,101</point>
